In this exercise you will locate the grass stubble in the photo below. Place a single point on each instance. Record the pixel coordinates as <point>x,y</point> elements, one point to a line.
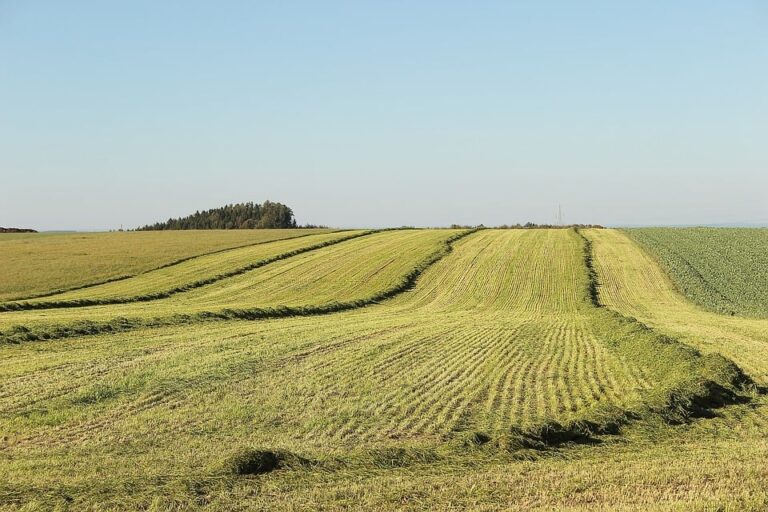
<point>503,369</point>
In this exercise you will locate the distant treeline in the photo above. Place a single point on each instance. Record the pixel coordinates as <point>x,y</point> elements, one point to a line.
<point>232,216</point>
<point>17,230</point>
<point>533,225</point>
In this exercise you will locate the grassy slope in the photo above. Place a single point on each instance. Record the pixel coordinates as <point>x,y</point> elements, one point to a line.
<point>202,268</point>
<point>683,468</point>
<point>86,258</point>
<point>709,464</point>
<point>721,269</point>
<point>349,271</point>
<point>634,285</point>
<point>498,334</point>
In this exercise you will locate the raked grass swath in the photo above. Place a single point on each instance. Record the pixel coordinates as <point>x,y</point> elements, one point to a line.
<point>186,275</point>
<point>633,284</point>
<point>360,268</point>
<point>44,263</point>
<point>494,367</point>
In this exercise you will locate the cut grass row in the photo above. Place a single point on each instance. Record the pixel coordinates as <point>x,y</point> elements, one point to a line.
<point>186,275</point>
<point>358,272</point>
<point>716,464</point>
<point>495,371</point>
<point>678,469</point>
<point>85,259</point>
<point>632,283</point>
<point>509,347</point>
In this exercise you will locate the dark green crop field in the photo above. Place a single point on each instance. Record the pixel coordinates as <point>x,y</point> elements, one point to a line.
<point>721,269</point>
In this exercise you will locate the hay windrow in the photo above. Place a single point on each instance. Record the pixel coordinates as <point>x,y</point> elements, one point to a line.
<point>21,333</point>
<point>148,297</point>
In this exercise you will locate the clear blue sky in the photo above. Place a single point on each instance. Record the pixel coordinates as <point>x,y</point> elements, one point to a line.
<point>366,113</point>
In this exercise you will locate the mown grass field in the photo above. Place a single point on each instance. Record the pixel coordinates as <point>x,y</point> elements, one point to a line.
<point>40,263</point>
<point>359,268</point>
<point>633,284</point>
<point>441,369</point>
<point>202,270</point>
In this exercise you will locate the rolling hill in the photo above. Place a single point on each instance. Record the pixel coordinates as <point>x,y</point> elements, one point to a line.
<point>387,370</point>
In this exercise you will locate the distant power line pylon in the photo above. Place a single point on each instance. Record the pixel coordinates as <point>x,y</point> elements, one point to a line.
<point>559,215</point>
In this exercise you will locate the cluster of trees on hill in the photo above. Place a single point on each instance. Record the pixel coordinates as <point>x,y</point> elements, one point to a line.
<point>17,230</point>
<point>533,225</point>
<point>250,215</point>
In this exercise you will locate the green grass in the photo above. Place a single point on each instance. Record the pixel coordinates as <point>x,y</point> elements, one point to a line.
<point>41,263</point>
<point>347,274</point>
<point>193,273</point>
<point>497,369</point>
<point>721,269</point>
<point>632,283</point>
